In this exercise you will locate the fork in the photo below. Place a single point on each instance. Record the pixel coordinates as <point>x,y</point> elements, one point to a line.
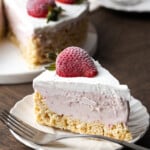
<point>36,136</point>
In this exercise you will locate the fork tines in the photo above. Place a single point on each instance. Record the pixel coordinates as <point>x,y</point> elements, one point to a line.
<point>16,125</point>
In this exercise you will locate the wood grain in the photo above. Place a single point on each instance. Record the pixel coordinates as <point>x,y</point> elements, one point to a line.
<point>123,48</point>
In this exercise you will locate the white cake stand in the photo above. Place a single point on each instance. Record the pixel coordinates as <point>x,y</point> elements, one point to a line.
<point>13,68</point>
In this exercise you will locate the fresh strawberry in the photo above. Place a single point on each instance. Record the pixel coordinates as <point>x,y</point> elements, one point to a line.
<point>39,8</point>
<point>67,1</point>
<point>75,62</point>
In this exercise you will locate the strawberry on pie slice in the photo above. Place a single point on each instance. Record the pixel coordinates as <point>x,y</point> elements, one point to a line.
<point>67,1</point>
<point>39,8</point>
<point>44,9</point>
<point>81,96</point>
<point>73,62</point>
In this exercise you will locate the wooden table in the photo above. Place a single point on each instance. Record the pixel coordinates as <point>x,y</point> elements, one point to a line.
<point>123,48</point>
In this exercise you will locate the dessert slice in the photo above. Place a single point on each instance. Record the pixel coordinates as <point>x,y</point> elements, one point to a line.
<point>38,38</point>
<point>81,96</point>
<point>1,20</point>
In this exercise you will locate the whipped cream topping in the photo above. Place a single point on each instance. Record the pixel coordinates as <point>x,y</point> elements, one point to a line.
<point>104,81</point>
<point>100,98</point>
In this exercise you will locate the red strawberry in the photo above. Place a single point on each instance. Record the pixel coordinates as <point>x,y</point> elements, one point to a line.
<point>67,1</point>
<point>75,62</point>
<point>39,8</point>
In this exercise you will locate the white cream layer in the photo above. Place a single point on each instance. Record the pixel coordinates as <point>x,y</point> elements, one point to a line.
<point>100,98</point>
<point>24,26</point>
<point>104,81</point>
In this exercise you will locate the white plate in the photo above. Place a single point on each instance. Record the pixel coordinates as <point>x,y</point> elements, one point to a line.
<point>94,5</point>
<point>143,6</point>
<point>138,125</point>
<point>13,68</point>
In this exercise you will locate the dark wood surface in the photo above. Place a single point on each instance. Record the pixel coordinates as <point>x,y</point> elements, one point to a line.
<point>123,48</point>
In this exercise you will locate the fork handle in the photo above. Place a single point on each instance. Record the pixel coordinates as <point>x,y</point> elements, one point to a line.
<point>126,144</point>
<point>133,146</point>
<point>123,143</point>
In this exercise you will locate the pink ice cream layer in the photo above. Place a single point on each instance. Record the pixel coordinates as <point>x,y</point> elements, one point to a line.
<point>85,106</point>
